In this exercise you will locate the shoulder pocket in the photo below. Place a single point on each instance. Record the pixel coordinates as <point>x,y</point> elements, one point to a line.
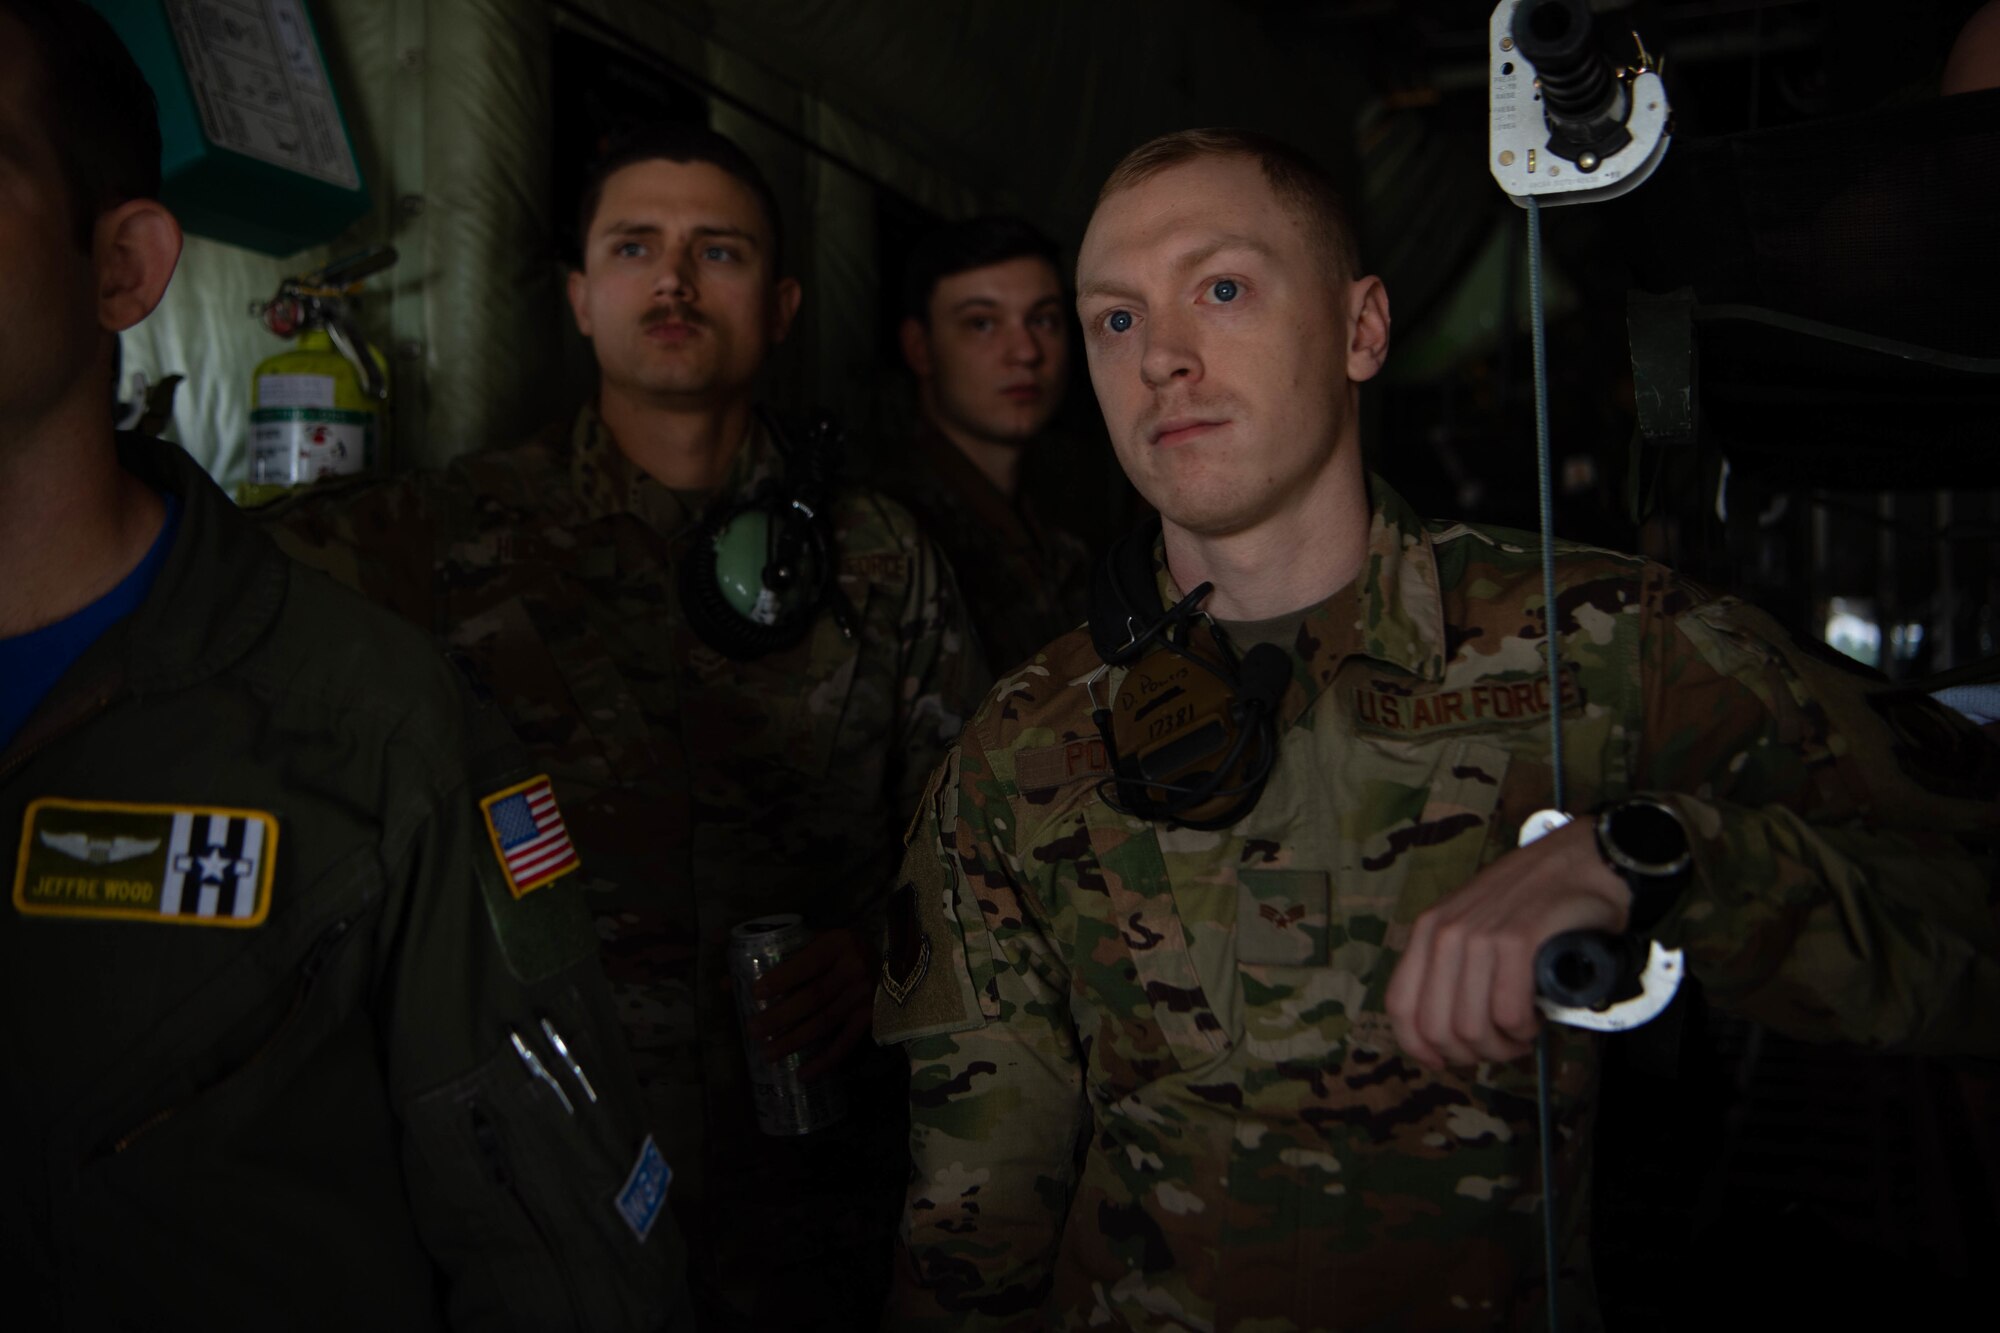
<point>937,972</point>
<point>518,1181</point>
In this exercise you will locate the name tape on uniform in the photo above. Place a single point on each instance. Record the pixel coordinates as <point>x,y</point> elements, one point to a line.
<point>877,567</point>
<point>1486,704</point>
<point>528,835</point>
<point>1055,765</point>
<point>164,864</point>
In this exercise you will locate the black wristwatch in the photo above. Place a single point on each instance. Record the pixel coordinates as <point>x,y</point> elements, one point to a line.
<point>1644,841</point>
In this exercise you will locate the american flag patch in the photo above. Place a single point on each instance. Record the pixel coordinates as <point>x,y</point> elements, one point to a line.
<point>528,835</point>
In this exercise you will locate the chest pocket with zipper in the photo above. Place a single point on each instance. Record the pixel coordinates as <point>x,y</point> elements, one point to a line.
<point>255,1068</point>
<point>518,1180</point>
<point>249,1016</point>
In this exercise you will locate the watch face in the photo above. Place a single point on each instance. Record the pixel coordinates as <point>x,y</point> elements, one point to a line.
<point>1646,838</point>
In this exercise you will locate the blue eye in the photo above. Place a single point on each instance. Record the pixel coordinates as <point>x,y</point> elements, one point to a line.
<point>1118,321</point>
<point>1224,290</point>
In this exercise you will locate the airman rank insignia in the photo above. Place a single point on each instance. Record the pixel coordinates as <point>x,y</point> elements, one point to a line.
<point>528,835</point>
<point>165,864</point>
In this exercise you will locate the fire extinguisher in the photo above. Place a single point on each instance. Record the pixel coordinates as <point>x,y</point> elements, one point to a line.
<point>318,410</point>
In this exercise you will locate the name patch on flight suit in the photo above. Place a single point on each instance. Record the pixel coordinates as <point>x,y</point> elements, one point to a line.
<point>166,864</point>
<point>1486,704</point>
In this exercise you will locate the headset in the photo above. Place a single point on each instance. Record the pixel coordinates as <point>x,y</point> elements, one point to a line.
<point>760,571</point>
<point>1200,722</point>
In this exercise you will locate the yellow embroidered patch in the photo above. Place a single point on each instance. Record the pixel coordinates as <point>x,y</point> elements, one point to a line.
<point>128,861</point>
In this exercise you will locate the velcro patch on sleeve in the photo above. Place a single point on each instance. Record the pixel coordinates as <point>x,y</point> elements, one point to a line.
<point>529,836</point>
<point>927,985</point>
<point>161,864</point>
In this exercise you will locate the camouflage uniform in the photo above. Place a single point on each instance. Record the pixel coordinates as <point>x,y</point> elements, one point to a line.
<point>702,792</point>
<point>275,1086</point>
<point>1024,582</point>
<point>1152,1080</point>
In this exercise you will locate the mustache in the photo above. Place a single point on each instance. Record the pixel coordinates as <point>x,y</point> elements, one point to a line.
<point>673,314</point>
<point>1210,407</point>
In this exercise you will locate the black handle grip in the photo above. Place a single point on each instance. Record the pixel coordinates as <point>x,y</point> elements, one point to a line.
<point>1590,969</point>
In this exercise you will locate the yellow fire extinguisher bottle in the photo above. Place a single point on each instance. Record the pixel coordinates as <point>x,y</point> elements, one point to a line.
<point>310,418</point>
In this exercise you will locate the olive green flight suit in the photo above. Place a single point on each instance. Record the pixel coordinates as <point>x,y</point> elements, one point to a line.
<point>267,1078</point>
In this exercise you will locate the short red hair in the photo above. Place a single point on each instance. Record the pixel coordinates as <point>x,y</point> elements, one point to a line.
<point>1301,183</point>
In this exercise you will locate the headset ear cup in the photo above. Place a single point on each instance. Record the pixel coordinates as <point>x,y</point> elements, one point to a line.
<point>798,515</point>
<point>720,625</point>
<point>1216,784</point>
<point>1131,789</point>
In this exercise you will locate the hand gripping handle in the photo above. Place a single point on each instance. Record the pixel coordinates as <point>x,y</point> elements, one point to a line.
<point>1588,969</point>
<point>1596,980</point>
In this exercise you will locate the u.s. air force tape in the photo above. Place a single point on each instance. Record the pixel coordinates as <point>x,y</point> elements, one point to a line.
<point>166,864</point>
